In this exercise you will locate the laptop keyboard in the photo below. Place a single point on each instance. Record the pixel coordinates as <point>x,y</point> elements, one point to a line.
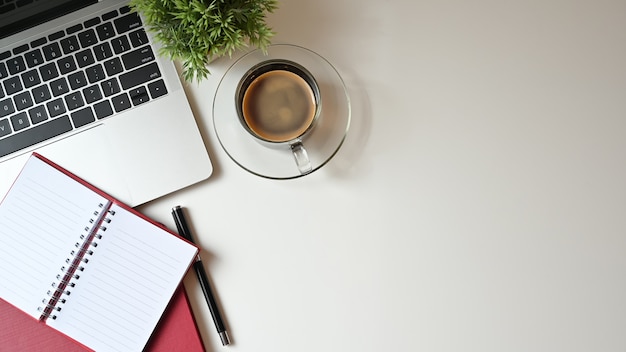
<point>75,77</point>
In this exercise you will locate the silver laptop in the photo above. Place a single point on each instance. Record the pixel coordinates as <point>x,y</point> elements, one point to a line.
<point>81,83</point>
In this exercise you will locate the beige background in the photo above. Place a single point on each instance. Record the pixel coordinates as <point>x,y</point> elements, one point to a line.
<point>477,205</point>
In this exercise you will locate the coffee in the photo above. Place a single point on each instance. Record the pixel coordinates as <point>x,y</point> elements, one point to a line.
<point>278,106</point>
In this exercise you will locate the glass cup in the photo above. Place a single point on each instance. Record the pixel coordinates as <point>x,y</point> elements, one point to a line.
<point>278,102</point>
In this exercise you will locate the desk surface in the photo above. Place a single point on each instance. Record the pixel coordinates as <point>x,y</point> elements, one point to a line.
<point>478,202</point>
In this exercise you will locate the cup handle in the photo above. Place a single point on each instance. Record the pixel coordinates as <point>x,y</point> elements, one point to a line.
<point>301,157</point>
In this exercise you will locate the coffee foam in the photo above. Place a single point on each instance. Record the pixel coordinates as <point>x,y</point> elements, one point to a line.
<point>278,106</point>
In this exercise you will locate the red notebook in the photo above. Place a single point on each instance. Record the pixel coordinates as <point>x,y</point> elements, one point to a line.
<point>177,331</point>
<point>76,262</point>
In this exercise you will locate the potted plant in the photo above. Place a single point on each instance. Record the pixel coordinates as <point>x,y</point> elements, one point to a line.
<point>197,31</point>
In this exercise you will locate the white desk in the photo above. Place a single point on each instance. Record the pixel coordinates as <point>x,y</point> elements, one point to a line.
<point>478,203</point>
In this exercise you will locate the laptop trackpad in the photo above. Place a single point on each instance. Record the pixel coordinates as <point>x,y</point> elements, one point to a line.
<point>88,155</point>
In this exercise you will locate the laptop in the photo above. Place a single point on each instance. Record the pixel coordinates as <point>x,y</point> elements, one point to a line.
<point>81,83</point>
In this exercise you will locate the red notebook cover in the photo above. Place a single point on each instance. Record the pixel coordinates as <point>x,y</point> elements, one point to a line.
<point>177,331</point>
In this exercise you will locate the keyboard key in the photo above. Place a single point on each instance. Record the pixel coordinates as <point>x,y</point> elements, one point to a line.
<point>30,78</point>
<point>16,65</point>
<point>52,51</point>
<point>48,71</point>
<point>103,109</point>
<point>92,22</point>
<point>6,107</point>
<point>20,49</point>
<point>77,80</point>
<point>38,42</point>
<point>138,38</point>
<point>82,117</point>
<point>55,107</point>
<point>110,87</point>
<point>105,31</point>
<point>23,101</point>
<point>13,85</point>
<point>56,35</point>
<point>95,73</point>
<point>92,94</point>
<point>87,38</point>
<point>74,101</point>
<point>137,57</point>
<point>157,89</point>
<point>19,121</point>
<point>5,128</point>
<point>127,23</point>
<point>102,51</point>
<point>120,102</point>
<point>109,15</point>
<point>85,58</point>
<point>41,93</point>
<point>75,28</point>
<point>59,87</point>
<point>120,45</point>
<point>66,65</point>
<point>32,136</point>
<point>70,44</point>
<point>139,95</point>
<point>34,58</point>
<point>113,66</point>
<point>38,114</point>
<point>140,75</point>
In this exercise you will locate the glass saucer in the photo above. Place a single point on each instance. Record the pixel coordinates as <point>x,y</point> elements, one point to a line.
<point>322,143</point>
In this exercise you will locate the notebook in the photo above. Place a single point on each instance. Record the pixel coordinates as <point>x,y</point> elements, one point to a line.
<point>82,83</point>
<point>83,263</point>
<point>177,331</point>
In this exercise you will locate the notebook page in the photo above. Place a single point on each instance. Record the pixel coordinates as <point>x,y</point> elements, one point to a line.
<point>41,219</point>
<point>126,286</point>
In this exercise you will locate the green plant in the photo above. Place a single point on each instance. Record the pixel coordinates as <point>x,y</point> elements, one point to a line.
<point>196,31</point>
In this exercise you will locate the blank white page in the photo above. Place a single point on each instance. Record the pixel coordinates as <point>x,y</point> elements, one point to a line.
<point>41,219</point>
<point>126,286</point>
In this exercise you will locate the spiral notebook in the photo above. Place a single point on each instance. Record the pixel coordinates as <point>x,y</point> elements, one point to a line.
<point>177,331</point>
<point>83,263</point>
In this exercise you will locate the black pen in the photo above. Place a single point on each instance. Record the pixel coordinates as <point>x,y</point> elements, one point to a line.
<point>183,230</point>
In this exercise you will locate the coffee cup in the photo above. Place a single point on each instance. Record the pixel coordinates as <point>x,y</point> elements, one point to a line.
<point>278,103</point>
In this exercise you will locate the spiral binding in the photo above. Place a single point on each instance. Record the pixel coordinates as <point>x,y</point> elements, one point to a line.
<point>76,262</point>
